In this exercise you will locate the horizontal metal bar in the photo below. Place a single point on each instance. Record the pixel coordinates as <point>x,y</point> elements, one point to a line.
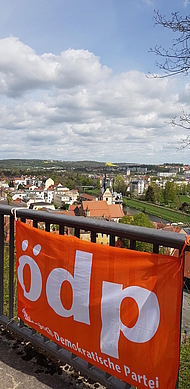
<point>150,235</point>
<point>5,209</point>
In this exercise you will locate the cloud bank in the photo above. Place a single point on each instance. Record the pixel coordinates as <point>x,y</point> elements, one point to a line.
<point>70,107</point>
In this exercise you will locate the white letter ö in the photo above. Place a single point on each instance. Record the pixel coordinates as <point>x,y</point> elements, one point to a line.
<point>36,279</point>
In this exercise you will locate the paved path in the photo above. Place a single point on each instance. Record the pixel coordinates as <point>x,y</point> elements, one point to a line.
<point>23,367</point>
<point>186,313</point>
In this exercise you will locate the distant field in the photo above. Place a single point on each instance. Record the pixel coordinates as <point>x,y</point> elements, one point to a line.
<point>93,192</point>
<point>161,212</point>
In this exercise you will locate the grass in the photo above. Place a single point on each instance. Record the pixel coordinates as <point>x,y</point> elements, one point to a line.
<point>93,192</point>
<point>6,284</point>
<point>184,199</point>
<point>184,368</point>
<point>162,212</point>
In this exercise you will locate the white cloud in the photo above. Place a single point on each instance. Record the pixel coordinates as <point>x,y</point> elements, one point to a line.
<point>21,70</point>
<point>186,2</point>
<point>71,107</point>
<point>148,2</point>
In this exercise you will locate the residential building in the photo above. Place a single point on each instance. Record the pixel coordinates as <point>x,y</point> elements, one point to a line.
<point>65,196</point>
<point>137,187</point>
<point>86,197</point>
<point>39,205</point>
<point>117,198</point>
<point>50,193</point>
<point>107,196</point>
<point>166,174</point>
<point>49,182</point>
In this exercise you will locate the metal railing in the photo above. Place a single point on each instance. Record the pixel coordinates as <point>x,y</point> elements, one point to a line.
<point>156,237</point>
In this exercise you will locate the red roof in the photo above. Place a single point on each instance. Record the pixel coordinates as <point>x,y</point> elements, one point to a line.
<point>72,207</point>
<point>102,209</point>
<point>67,213</point>
<point>87,197</point>
<point>116,211</point>
<point>17,201</point>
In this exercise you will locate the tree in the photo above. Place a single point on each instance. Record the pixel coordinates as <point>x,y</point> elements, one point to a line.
<point>158,193</point>
<point>175,59</point>
<point>8,197</point>
<point>126,220</point>
<point>170,192</point>
<point>65,206</point>
<point>184,122</point>
<point>183,189</point>
<point>98,183</point>
<point>139,219</point>
<point>149,195</point>
<point>119,184</point>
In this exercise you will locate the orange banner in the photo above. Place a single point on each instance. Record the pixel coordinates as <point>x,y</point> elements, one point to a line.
<point>117,309</point>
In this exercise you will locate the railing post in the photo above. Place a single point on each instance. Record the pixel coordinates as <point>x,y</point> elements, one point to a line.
<point>177,382</point>
<point>155,248</point>
<point>47,227</point>
<point>93,236</point>
<point>21,322</point>
<point>61,230</point>
<point>11,266</point>
<point>132,244</point>
<point>1,261</point>
<point>112,240</point>
<point>35,224</point>
<point>77,232</point>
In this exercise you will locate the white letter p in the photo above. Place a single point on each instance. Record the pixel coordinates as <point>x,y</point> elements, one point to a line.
<point>147,322</point>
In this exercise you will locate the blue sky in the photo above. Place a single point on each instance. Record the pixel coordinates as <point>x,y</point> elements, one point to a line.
<point>119,32</point>
<point>73,82</point>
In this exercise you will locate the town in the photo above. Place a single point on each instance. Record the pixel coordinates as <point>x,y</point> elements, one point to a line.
<point>156,196</point>
<point>68,186</point>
